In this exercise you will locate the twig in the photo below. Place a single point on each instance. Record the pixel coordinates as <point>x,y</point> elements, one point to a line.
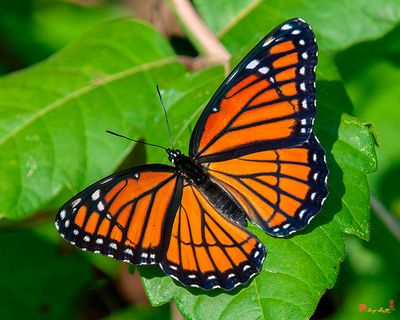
<point>175,314</point>
<point>209,43</point>
<point>386,217</point>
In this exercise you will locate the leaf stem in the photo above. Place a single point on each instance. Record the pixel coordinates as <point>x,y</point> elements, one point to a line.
<point>386,217</point>
<point>209,44</point>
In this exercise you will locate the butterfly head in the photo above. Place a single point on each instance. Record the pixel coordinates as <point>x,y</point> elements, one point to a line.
<point>173,155</point>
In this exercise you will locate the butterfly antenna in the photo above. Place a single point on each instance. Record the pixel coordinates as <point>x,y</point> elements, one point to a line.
<point>166,116</point>
<point>137,141</point>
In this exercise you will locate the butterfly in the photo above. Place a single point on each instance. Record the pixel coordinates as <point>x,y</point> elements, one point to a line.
<point>252,157</point>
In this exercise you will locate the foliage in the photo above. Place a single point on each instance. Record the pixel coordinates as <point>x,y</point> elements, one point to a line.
<point>52,144</point>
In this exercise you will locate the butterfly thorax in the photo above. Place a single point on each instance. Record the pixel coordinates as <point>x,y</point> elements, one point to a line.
<point>187,167</point>
<point>195,174</point>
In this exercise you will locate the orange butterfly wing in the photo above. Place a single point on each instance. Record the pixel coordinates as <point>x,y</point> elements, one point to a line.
<point>280,190</point>
<point>206,249</point>
<point>126,216</point>
<point>267,102</point>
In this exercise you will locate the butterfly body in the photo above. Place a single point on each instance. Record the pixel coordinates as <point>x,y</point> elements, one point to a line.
<point>252,157</point>
<point>195,174</point>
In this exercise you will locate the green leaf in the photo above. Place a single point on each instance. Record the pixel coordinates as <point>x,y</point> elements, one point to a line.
<point>337,24</point>
<point>39,282</point>
<point>53,115</point>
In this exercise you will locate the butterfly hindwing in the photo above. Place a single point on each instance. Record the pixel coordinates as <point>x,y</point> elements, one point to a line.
<point>280,190</point>
<point>206,249</point>
<point>267,102</point>
<point>127,216</point>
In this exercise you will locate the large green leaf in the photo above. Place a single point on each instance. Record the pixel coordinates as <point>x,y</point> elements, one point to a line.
<point>53,115</point>
<point>338,24</point>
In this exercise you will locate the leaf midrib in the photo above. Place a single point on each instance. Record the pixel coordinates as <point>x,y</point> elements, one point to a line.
<point>88,88</point>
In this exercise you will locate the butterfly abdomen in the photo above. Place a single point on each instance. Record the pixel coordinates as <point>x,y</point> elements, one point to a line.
<point>222,202</point>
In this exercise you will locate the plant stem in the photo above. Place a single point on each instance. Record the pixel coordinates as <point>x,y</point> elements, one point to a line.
<point>386,217</point>
<point>209,44</point>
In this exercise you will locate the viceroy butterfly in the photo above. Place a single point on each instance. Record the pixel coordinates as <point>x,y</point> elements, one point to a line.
<point>252,156</point>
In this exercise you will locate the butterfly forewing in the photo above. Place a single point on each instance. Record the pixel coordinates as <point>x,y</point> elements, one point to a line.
<point>207,250</point>
<point>127,216</point>
<point>280,190</point>
<point>267,102</point>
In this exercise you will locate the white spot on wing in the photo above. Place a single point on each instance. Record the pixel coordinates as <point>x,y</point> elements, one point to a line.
<point>231,76</point>
<point>302,70</point>
<point>304,55</point>
<point>192,276</point>
<point>66,224</point>
<point>268,41</point>
<point>63,214</point>
<point>113,245</point>
<point>263,70</point>
<point>96,194</point>
<point>129,251</point>
<point>99,241</point>
<point>286,27</point>
<point>86,238</point>
<point>107,180</point>
<point>285,226</point>
<point>303,86</point>
<point>295,32</point>
<point>252,64</point>
<point>304,103</point>
<point>302,42</point>
<point>76,202</point>
<point>246,267</point>
<point>100,206</point>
